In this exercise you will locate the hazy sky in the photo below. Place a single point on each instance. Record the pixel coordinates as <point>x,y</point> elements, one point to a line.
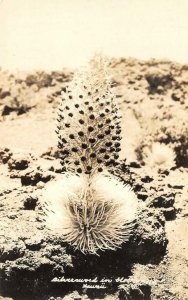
<point>52,34</point>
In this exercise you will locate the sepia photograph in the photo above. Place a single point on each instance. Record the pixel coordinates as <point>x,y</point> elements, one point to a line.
<point>94,150</point>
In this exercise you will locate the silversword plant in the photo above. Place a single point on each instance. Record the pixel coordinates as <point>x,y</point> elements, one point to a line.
<point>89,208</point>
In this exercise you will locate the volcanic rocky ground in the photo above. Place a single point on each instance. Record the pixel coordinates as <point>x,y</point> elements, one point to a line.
<point>153,264</point>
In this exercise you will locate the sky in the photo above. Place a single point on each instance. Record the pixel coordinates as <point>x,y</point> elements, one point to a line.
<point>52,34</point>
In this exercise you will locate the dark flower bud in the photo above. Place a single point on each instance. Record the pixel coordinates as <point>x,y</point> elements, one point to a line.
<point>90,108</point>
<point>81,121</point>
<point>92,140</point>
<point>117,145</point>
<point>102,115</point>
<point>92,117</point>
<point>90,128</point>
<point>100,136</point>
<point>114,138</point>
<point>100,125</point>
<point>83,158</point>
<point>77,162</point>
<point>89,93</point>
<point>80,133</point>
<point>107,110</point>
<point>67,107</point>
<point>65,152</point>
<point>81,112</point>
<point>108,131</point>
<point>64,140</point>
<point>119,138</point>
<point>70,97</point>
<point>108,121</point>
<point>92,155</point>
<point>99,160</point>
<point>70,115</point>
<point>89,168</point>
<point>100,169</point>
<point>81,96</point>
<point>112,149</point>
<point>118,149</point>
<point>112,161</point>
<point>108,144</point>
<point>74,149</point>
<point>79,170</point>
<point>86,103</point>
<point>84,146</point>
<point>76,105</point>
<point>67,125</point>
<point>106,156</point>
<point>102,150</point>
<point>71,136</point>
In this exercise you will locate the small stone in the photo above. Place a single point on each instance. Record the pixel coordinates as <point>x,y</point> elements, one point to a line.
<point>18,162</point>
<point>169,213</point>
<point>142,195</point>
<point>30,203</point>
<point>146,179</point>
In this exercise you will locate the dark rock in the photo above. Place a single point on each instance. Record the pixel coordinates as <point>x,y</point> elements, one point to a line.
<point>11,250</point>
<point>177,187</point>
<point>164,200</point>
<point>134,164</point>
<point>7,110</point>
<point>138,187</point>
<point>30,203</point>
<point>146,179</point>
<point>52,152</point>
<point>176,96</point>
<point>26,276</point>
<point>18,162</point>
<point>4,94</point>
<point>156,80</point>
<point>5,155</point>
<point>33,177</point>
<point>132,291</point>
<point>33,243</point>
<point>142,195</point>
<point>169,213</point>
<point>41,79</point>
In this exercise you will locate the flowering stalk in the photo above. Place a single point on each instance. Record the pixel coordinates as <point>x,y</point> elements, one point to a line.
<point>90,208</point>
<point>89,122</point>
